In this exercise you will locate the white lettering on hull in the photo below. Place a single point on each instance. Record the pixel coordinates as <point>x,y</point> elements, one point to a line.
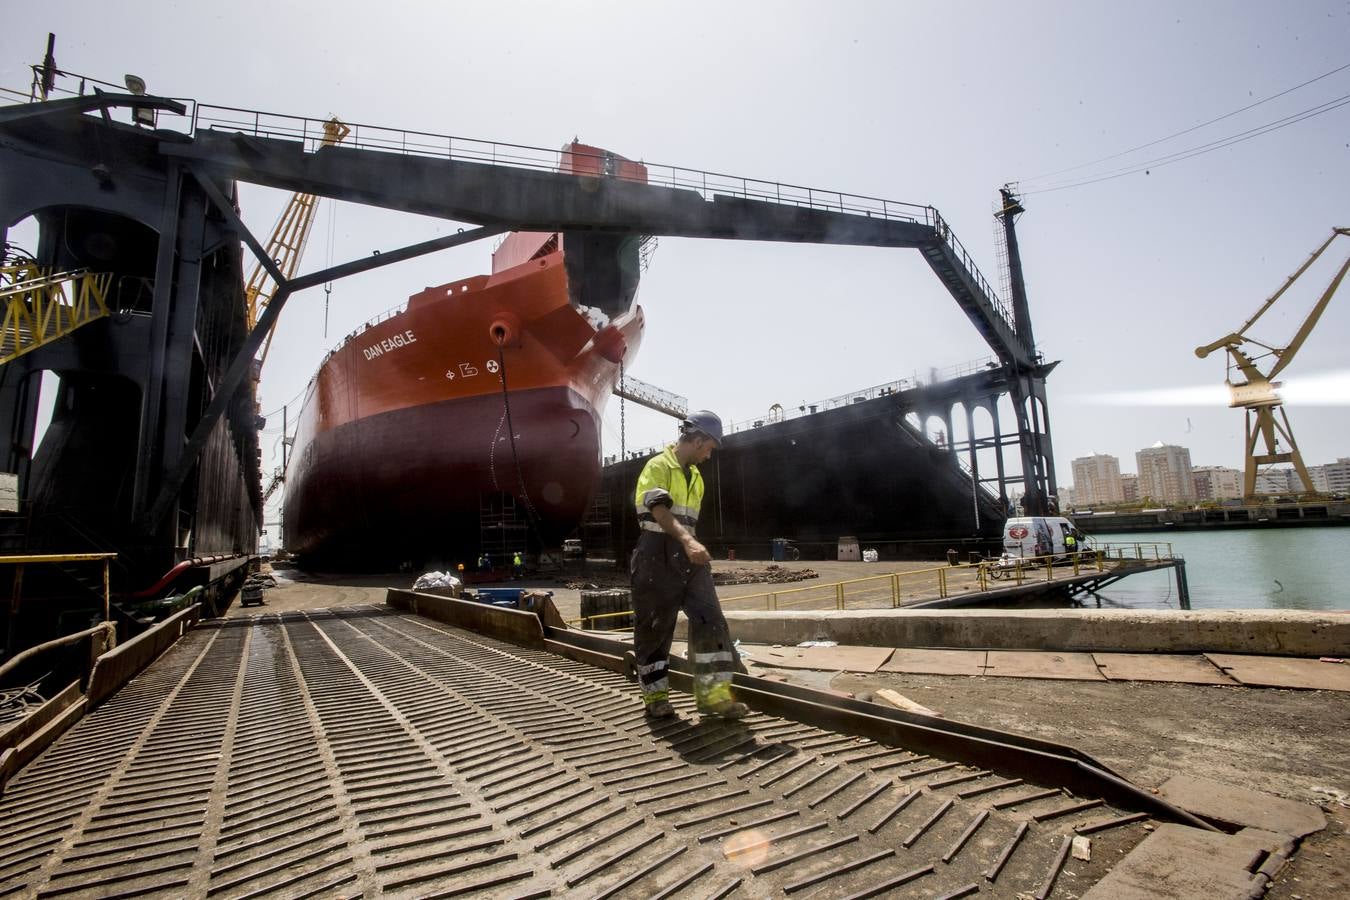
<point>390,344</point>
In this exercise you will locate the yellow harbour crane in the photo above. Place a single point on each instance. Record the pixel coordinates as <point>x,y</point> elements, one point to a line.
<point>287,243</point>
<point>1257,391</point>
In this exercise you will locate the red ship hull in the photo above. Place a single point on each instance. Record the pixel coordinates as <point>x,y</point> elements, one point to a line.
<point>403,439</point>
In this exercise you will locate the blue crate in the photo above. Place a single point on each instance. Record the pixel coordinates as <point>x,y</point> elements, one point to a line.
<point>499,596</point>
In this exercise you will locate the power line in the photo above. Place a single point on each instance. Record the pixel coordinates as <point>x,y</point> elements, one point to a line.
<point>1202,149</point>
<point>1160,140</point>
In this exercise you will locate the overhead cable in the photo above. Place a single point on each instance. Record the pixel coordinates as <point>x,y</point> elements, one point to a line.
<point>1175,134</point>
<point>1201,149</point>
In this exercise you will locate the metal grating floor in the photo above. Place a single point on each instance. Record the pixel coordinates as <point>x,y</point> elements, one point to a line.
<point>365,752</point>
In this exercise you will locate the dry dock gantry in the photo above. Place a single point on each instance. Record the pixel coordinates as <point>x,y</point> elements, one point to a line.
<point>437,747</point>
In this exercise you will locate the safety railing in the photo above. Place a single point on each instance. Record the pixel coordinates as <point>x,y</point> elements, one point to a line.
<point>891,590</point>
<point>309,132</point>
<point>38,310</point>
<point>934,376</point>
<point>1146,550</point>
<point>959,249</point>
<point>1018,569</point>
<point>21,561</point>
<point>897,589</point>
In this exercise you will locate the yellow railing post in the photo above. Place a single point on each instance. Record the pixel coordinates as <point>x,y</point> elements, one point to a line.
<point>107,597</point>
<point>895,591</point>
<point>839,595</point>
<point>942,582</point>
<point>1075,564</point>
<point>773,600</point>
<point>1049,568</point>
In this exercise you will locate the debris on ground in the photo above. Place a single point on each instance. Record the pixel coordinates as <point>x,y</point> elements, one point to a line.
<point>770,574</point>
<point>900,701</point>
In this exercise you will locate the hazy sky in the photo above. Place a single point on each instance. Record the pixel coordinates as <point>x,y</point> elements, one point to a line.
<point>930,103</point>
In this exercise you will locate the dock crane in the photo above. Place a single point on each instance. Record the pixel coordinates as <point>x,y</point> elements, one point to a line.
<point>1257,392</point>
<point>287,242</point>
<point>285,247</point>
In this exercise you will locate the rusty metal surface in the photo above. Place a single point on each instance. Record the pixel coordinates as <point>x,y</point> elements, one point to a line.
<point>372,752</point>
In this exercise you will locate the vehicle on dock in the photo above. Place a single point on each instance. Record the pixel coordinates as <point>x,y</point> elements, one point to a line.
<point>1038,536</point>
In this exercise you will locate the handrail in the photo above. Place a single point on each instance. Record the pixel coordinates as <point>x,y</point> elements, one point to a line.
<point>19,561</point>
<point>19,659</point>
<point>914,382</point>
<point>709,185</point>
<point>309,132</point>
<point>891,582</point>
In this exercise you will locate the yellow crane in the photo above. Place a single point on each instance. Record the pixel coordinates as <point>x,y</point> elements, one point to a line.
<point>287,242</point>
<point>1257,391</point>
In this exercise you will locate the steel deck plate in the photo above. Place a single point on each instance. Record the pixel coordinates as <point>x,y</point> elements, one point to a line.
<point>375,753</point>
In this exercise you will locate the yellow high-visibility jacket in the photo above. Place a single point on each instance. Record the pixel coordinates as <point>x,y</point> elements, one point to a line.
<point>664,482</point>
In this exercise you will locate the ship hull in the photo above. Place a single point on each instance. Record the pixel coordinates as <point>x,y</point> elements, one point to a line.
<point>408,485</point>
<point>403,454</point>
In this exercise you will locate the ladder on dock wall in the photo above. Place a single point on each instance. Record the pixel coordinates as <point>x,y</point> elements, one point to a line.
<point>43,305</point>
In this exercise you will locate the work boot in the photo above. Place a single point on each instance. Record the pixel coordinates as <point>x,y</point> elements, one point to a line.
<point>726,709</point>
<point>659,709</point>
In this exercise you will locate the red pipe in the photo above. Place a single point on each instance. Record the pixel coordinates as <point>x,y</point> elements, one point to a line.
<point>179,569</point>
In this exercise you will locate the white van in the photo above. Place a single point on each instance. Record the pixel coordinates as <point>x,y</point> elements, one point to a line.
<point>1027,536</point>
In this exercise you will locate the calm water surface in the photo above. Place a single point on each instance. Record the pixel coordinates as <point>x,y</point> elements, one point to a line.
<point>1252,568</point>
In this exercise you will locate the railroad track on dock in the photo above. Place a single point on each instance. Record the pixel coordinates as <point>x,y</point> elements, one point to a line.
<point>370,752</point>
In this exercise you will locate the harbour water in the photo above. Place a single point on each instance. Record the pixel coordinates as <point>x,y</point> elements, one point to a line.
<point>1250,568</point>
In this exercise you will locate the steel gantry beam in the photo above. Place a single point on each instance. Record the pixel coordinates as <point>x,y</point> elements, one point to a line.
<point>531,199</point>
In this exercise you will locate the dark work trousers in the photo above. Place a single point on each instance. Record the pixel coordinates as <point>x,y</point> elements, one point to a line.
<point>665,583</point>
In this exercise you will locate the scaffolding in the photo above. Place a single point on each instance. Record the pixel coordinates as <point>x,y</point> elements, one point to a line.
<point>503,530</point>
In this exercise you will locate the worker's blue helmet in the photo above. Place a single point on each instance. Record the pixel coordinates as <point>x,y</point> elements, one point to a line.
<point>703,422</point>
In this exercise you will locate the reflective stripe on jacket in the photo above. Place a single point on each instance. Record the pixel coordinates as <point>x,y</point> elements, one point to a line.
<point>664,482</point>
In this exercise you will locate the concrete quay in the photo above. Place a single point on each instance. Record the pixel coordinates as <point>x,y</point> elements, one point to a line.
<point>1263,631</point>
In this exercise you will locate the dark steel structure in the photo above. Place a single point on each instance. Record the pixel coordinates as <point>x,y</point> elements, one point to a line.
<point>132,384</point>
<point>864,469</point>
<point>154,452</point>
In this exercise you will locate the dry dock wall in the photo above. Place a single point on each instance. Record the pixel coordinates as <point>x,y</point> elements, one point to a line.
<point>1271,632</point>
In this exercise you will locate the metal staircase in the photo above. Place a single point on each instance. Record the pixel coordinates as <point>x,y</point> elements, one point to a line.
<point>651,396</point>
<point>956,270</point>
<point>42,305</point>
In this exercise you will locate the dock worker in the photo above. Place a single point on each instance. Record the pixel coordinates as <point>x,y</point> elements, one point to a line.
<point>671,571</point>
<point>517,564</point>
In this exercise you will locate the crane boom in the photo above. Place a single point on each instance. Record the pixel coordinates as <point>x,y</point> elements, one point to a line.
<point>1257,394</point>
<point>288,240</point>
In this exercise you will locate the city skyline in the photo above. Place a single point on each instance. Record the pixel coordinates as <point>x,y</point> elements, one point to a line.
<point>1171,476</point>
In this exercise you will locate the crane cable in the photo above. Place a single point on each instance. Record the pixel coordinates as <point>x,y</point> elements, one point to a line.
<point>328,286</point>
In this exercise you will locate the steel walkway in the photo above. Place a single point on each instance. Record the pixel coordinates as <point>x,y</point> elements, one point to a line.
<point>370,752</point>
